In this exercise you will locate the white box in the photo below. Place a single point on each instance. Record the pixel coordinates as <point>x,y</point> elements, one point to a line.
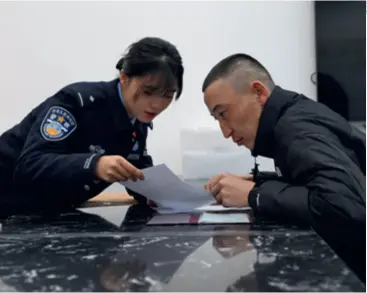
<point>198,165</point>
<point>205,139</point>
<point>206,153</point>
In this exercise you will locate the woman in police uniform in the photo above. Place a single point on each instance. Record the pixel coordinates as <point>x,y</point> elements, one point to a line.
<point>89,134</point>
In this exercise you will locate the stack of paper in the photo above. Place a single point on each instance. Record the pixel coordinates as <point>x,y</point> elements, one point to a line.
<point>201,209</point>
<point>169,192</point>
<point>180,203</point>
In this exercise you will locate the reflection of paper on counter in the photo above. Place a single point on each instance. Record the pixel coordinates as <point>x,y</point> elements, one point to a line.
<point>169,192</point>
<point>201,218</point>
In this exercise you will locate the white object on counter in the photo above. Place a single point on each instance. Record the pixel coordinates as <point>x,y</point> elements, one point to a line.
<point>203,165</point>
<point>206,139</point>
<point>206,153</point>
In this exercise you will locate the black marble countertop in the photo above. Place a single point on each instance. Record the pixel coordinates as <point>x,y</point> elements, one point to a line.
<point>112,249</point>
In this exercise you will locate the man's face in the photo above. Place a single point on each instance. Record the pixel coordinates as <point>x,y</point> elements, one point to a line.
<point>237,112</point>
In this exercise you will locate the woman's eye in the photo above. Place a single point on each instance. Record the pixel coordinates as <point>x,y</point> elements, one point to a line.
<point>148,93</point>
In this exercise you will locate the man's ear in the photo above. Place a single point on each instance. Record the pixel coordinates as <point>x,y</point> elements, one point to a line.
<point>261,92</point>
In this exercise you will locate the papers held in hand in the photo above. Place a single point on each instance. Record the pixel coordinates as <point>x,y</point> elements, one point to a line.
<point>171,194</point>
<point>168,191</point>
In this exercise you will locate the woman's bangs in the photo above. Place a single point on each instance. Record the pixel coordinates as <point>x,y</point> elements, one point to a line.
<point>161,81</point>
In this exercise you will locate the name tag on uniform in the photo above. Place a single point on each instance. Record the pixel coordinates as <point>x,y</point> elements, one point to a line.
<point>133,157</point>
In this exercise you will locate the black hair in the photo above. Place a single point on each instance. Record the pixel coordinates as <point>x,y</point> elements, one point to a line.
<point>246,67</point>
<point>153,55</point>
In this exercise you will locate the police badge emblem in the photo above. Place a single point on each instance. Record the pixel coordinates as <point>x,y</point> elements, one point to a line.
<point>136,146</point>
<point>58,124</point>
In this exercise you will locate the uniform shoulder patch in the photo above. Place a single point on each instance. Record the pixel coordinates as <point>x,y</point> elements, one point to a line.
<point>58,124</point>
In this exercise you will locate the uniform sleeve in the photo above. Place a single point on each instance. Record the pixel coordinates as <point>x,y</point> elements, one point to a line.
<point>48,157</point>
<point>335,191</point>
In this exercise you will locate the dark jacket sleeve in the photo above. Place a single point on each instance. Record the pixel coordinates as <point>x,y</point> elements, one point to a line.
<point>333,191</point>
<point>333,188</point>
<point>47,158</point>
<point>278,200</point>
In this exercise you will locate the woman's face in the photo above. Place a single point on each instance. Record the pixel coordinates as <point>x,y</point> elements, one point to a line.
<point>145,97</point>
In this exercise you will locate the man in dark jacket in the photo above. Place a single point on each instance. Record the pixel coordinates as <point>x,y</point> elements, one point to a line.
<point>319,157</point>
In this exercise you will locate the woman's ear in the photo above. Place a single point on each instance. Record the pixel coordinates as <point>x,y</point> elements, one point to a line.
<point>123,78</point>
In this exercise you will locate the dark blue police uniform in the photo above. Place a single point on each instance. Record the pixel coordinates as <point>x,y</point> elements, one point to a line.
<point>49,158</point>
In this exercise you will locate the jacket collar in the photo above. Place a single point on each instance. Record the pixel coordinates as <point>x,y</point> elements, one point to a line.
<point>118,112</point>
<point>277,103</point>
<point>119,91</point>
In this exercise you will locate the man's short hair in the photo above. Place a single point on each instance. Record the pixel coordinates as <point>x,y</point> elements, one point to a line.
<point>241,69</point>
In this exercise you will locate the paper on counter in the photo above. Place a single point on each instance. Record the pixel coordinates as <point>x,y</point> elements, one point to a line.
<point>202,209</point>
<point>232,218</point>
<point>168,191</point>
<point>220,208</point>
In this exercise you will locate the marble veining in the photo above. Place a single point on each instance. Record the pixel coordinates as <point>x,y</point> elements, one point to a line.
<point>78,251</point>
<point>149,263</point>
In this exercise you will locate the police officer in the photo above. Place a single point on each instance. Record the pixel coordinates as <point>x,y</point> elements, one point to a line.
<point>89,134</point>
<point>320,158</point>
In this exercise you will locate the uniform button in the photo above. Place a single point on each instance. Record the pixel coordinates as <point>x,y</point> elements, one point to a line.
<point>87,187</point>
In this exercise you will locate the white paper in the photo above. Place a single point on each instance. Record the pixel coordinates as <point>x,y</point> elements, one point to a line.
<point>233,218</point>
<point>201,209</point>
<point>220,208</point>
<point>168,191</point>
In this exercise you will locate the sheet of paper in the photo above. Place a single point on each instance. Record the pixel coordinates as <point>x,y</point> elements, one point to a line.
<point>205,208</point>
<point>167,190</point>
<point>233,218</point>
<point>220,208</point>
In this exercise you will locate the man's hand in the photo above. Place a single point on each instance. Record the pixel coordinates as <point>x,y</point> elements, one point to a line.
<point>248,177</point>
<point>116,168</point>
<point>215,179</point>
<point>231,191</point>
